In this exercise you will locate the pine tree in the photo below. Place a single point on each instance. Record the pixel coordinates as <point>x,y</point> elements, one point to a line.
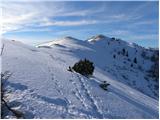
<point>84,67</point>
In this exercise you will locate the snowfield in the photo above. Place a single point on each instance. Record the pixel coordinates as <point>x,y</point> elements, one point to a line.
<point>41,86</point>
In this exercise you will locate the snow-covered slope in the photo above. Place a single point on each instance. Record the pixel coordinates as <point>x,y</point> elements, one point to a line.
<point>41,86</point>
<point>119,61</point>
<point>116,58</point>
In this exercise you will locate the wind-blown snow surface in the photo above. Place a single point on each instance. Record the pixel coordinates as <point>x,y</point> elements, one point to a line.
<point>41,86</point>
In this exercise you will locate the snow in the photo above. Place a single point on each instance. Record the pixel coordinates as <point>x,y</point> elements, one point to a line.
<point>41,87</point>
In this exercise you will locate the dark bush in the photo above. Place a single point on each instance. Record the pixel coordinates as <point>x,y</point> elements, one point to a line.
<point>70,69</point>
<point>113,38</point>
<point>123,51</point>
<point>124,77</point>
<point>114,56</point>
<point>135,60</point>
<point>84,67</point>
<point>136,51</point>
<point>155,57</point>
<point>143,54</point>
<point>129,59</point>
<point>104,85</point>
<point>127,53</point>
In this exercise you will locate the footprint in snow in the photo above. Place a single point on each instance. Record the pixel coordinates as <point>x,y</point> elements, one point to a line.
<point>56,101</point>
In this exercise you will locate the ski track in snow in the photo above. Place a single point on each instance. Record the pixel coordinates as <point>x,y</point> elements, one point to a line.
<point>77,93</point>
<point>96,110</point>
<point>93,108</point>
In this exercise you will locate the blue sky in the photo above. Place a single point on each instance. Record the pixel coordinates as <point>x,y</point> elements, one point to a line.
<point>35,22</point>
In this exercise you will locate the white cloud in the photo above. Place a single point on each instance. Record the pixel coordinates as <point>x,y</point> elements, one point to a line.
<point>19,15</point>
<point>124,17</point>
<point>132,36</point>
<point>145,37</point>
<point>33,30</point>
<point>119,33</point>
<point>69,23</point>
<point>148,22</point>
<point>76,13</point>
<point>16,16</point>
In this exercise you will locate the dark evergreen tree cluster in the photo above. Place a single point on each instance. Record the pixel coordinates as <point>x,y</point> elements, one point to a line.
<point>154,71</point>
<point>124,52</point>
<point>84,67</point>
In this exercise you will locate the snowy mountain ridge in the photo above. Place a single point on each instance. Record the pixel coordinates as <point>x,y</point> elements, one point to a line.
<point>44,88</point>
<point>112,47</point>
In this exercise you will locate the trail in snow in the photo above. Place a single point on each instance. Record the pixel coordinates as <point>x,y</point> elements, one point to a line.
<point>83,94</point>
<point>78,95</point>
<point>51,70</point>
<point>69,107</point>
<point>95,109</point>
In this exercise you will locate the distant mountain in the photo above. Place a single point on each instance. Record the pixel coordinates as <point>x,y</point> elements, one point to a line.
<point>44,88</point>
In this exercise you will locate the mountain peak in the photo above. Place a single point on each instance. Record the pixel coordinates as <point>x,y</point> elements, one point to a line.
<point>97,38</point>
<point>100,36</point>
<point>70,38</point>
